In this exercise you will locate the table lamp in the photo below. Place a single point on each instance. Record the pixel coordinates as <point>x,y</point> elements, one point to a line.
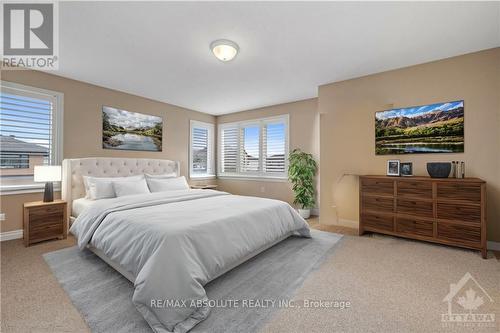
<point>48,174</point>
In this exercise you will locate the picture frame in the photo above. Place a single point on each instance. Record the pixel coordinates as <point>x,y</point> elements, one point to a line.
<point>393,168</point>
<point>406,169</point>
<point>126,130</point>
<point>422,129</point>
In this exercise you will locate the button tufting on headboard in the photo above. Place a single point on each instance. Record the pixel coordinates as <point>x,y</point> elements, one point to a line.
<point>74,169</point>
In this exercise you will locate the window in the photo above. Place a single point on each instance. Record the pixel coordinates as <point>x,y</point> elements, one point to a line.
<point>30,133</point>
<point>201,150</point>
<point>256,148</point>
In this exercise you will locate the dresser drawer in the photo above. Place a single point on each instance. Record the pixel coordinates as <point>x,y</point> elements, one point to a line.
<point>414,207</point>
<point>378,221</point>
<point>461,212</point>
<point>459,191</point>
<point>378,204</point>
<point>414,189</point>
<point>414,226</point>
<point>378,186</point>
<point>459,233</point>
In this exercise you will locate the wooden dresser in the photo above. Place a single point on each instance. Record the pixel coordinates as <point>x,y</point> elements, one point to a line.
<point>447,211</point>
<point>44,220</point>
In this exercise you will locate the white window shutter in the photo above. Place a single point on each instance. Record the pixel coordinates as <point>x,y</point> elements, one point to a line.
<point>229,149</point>
<point>199,145</point>
<point>250,149</point>
<point>274,146</point>
<point>201,149</point>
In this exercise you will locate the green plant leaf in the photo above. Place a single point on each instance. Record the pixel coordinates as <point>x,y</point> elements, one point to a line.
<point>301,171</point>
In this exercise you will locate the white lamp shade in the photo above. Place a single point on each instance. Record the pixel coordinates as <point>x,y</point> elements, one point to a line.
<point>47,173</point>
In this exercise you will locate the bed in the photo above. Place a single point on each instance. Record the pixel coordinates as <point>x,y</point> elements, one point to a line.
<point>171,244</point>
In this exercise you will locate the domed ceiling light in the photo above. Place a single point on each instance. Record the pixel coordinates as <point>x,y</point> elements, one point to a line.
<point>225,50</point>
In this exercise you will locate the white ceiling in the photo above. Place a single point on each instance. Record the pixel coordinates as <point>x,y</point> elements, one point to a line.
<point>161,50</point>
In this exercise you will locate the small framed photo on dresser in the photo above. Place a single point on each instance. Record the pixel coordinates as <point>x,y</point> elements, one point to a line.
<point>393,167</point>
<point>406,169</point>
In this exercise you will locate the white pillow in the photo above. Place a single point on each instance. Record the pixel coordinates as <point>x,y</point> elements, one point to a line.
<point>162,176</point>
<point>101,189</point>
<point>130,187</point>
<point>167,184</point>
<point>88,182</point>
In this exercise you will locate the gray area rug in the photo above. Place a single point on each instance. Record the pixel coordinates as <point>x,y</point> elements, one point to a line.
<point>104,297</point>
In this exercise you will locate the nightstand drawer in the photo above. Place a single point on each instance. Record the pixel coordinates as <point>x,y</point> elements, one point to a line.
<point>46,232</point>
<point>47,210</point>
<point>37,218</point>
<point>42,224</point>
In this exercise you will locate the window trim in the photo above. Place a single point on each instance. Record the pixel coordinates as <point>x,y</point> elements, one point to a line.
<point>211,152</point>
<point>57,133</point>
<point>260,174</point>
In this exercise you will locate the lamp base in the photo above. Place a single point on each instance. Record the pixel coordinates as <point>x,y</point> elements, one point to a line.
<point>48,194</point>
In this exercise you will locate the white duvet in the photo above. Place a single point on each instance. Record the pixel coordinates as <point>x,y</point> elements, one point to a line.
<point>175,242</point>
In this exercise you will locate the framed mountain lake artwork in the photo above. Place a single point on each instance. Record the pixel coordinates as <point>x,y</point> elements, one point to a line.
<point>127,130</point>
<point>433,128</point>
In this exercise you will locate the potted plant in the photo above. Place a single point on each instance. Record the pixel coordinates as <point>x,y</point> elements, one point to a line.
<point>301,171</point>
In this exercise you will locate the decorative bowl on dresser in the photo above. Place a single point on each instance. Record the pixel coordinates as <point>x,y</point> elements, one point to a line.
<point>44,221</point>
<point>447,211</point>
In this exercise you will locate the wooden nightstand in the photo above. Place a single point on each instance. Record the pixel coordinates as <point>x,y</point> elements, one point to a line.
<point>44,220</point>
<point>204,187</point>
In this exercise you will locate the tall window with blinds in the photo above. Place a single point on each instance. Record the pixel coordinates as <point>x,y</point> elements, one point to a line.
<point>256,148</point>
<point>29,133</point>
<point>202,162</point>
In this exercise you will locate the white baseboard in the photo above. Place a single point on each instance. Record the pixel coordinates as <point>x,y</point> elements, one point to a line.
<point>493,246</point>
<point>8,235</point>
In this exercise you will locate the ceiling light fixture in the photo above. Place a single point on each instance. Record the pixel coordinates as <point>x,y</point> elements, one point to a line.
<point>224,50</point>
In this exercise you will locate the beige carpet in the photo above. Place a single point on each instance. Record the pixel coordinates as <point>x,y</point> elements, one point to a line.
<point>31,298</point>
<point>393,285</point>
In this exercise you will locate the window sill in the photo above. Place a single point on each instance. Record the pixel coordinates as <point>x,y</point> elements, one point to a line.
<point>22,189</point>
<point>254,178</point>
<point>202,177</point>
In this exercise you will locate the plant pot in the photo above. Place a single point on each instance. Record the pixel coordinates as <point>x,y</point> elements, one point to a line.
<point>304,213</point>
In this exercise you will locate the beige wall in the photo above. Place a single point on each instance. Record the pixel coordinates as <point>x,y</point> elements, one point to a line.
<point>304,134</point>
<point>83,127</point>
<point>341,118</point>
<point>348,136</point>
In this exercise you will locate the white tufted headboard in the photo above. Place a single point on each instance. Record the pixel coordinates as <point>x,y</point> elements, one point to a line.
<point>74,169</point>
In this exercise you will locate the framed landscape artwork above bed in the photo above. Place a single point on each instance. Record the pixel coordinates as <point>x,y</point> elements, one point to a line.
<point>433,128</point>
<point>127,130</point>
